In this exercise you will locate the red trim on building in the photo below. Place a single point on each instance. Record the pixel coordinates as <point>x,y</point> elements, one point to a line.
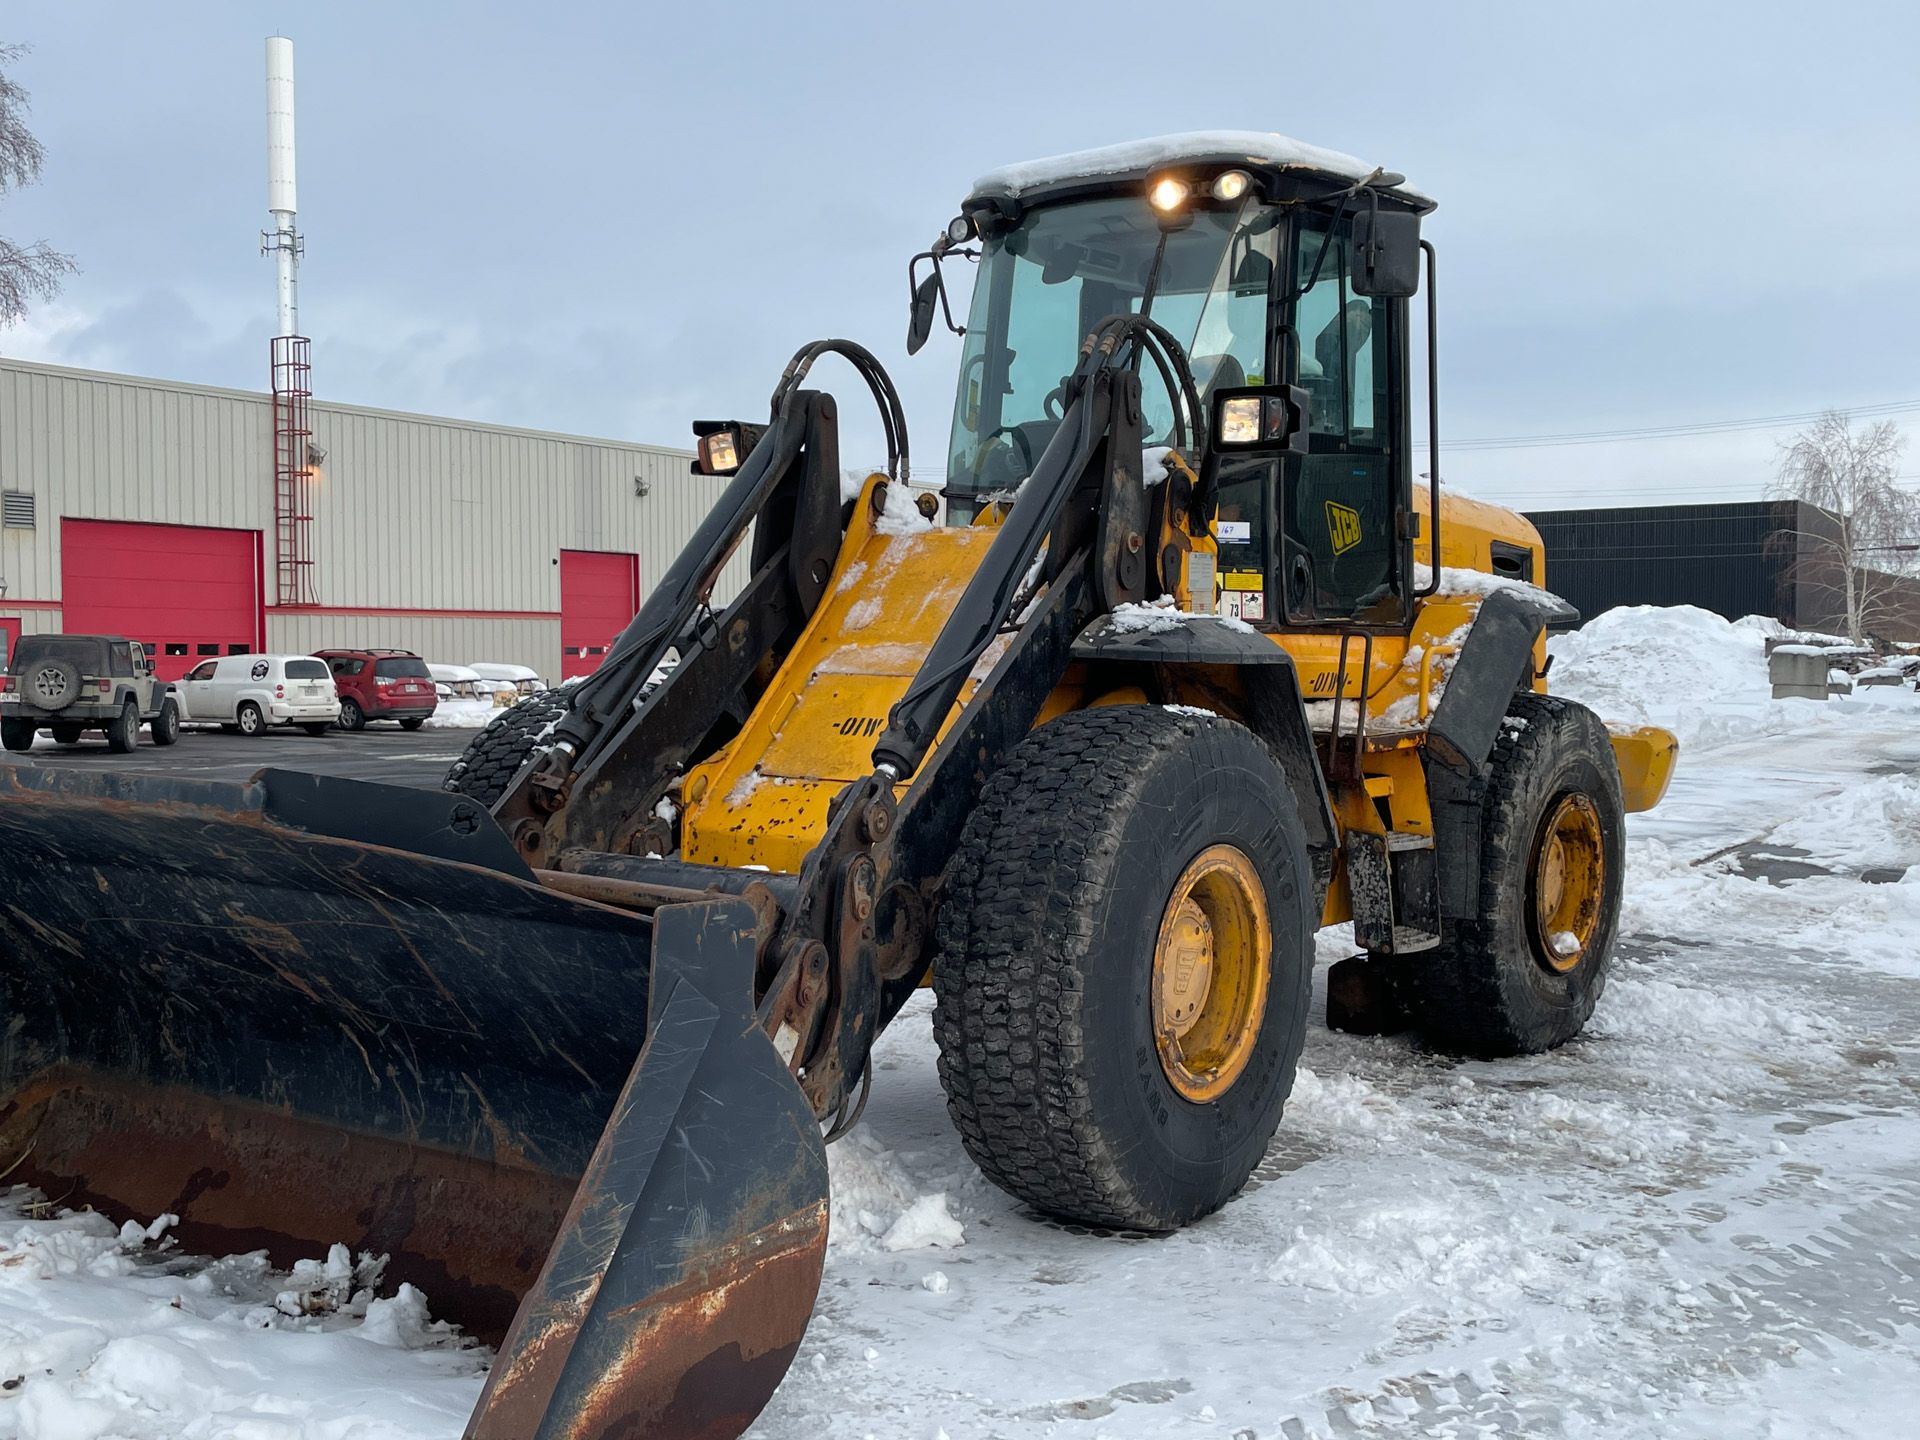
<point>12,604</point>
<point>428,614</point>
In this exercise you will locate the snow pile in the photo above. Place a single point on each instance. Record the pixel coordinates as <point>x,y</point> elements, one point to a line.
<point>464,715</point>
<point>1686,669</point>
<point>876,1203</point>
<point>105,1334</point>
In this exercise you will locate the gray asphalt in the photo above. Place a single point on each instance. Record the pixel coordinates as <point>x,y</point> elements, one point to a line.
<point>381,753</point>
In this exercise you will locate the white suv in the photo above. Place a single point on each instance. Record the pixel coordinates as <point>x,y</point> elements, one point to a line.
<point>244,694</point>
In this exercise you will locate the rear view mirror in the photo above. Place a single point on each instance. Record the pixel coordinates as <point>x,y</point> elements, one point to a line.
<point>1386,253</point>
<point>926,295</point>
<point>1261,418</point>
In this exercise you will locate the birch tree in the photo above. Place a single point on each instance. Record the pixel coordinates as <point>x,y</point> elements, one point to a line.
<point>1874,541</point>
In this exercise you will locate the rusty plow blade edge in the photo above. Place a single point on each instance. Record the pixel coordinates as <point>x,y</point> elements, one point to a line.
<point>685,1271</point>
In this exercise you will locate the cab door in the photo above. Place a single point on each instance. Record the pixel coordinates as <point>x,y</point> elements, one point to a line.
<point>1343,547</point>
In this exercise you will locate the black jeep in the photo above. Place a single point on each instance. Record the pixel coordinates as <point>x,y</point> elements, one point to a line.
<point>70,684</point>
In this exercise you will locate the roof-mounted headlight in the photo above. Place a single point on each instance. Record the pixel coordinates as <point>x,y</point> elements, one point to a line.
<point>1231,184</point>
<point>1168,194</point>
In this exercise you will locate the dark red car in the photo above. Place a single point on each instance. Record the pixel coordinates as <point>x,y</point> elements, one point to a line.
<point>381,685</point>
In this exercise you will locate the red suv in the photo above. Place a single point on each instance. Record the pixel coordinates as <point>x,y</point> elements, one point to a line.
<point>381,685</point>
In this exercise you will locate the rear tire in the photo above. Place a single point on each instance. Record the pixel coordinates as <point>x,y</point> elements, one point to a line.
<point>252,723</point>
<point>17,735</point>
<point>494,756</point>
<point>414,724</point>
<point>123,732</point>
<point>229,729</point>
<point>164,728</point>
<point>1051,979</point>
<point>68,734</point>
<point>351,716</point>
<point>1498,985</point>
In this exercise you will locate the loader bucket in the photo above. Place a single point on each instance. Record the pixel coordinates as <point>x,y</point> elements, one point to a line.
<point>300,1011</point>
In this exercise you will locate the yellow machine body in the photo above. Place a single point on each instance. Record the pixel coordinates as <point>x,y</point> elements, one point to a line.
<point>762,799</point>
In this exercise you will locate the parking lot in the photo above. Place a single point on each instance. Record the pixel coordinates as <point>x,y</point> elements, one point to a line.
<point>383,753</point>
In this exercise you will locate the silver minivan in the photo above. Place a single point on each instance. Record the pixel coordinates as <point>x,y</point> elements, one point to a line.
<point>244,694</point>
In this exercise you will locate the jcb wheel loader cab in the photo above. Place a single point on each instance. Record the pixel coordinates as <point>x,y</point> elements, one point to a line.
<point>1125,957</point>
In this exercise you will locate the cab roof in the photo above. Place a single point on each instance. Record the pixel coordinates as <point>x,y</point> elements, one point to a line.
<point>1260,150</point>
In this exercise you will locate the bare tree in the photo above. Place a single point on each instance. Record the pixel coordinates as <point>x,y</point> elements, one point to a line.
<point>26,271</point>
<point>1863,554</point>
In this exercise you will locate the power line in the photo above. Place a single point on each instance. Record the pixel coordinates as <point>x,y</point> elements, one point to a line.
<point>1666,432</point>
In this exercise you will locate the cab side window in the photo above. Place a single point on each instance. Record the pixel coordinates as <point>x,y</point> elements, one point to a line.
<point>202,671</point>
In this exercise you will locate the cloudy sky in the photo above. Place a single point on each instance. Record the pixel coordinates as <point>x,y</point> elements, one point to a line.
<point>612,219</point>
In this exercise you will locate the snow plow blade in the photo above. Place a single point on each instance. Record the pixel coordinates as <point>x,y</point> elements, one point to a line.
<point>301,1011</point>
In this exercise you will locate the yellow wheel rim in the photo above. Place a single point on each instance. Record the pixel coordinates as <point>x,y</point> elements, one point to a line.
<point>1210,963</point>
<point>1569,878</point>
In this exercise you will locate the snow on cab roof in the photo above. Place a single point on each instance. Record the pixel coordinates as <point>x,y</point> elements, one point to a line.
<point>1260,148</point>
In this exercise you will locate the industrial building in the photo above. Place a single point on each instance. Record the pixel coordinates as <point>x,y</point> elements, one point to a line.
<point>206,522</point>
<point>203,521</point>
<point>1760,557</point>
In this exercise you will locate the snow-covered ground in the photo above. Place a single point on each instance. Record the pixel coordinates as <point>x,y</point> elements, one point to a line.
<point>1702,1219</point>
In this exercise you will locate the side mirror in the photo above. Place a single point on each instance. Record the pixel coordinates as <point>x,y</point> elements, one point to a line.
<point>926,296</point>
<point>1386,253</point>
<point>1253,419</point>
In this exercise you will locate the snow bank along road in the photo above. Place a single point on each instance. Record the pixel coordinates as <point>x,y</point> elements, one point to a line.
<point>1701,1219</point>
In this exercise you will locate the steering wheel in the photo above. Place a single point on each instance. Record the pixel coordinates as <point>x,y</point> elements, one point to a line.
<point>1020,440</point>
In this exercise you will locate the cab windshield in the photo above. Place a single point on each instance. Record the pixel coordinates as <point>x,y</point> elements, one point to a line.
<point>1045,283</point>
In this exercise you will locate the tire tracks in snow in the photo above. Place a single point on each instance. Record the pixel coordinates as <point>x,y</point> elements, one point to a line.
<point>1854,1282</point>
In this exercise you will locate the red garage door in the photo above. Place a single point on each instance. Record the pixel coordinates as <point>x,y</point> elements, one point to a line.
<point>599,593</point>
<point>9,636</point>
<point>185,591</point>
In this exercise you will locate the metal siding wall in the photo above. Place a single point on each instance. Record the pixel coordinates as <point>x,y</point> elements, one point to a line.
<point>410,512</point>
<point>1718,557</point>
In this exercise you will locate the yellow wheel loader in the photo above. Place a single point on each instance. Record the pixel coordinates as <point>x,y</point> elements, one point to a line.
<point>1188,668</point>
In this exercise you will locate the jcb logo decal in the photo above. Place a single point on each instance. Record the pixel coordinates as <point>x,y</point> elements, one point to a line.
<point>864,725</point>
<point>1343,526</point>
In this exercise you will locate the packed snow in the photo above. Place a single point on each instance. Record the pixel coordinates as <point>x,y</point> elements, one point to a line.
<point>1701,1219</point>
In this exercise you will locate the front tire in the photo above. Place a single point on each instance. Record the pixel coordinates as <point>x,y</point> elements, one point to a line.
<point>351,716</point>
<point>252,723</point>
<point>413,724</point>
<point>123,732</point>
<point>1127,883</point>
<point>318,729</point>
<point>1524,975</point>
<point>165,727</point>
<point>67,734</point>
